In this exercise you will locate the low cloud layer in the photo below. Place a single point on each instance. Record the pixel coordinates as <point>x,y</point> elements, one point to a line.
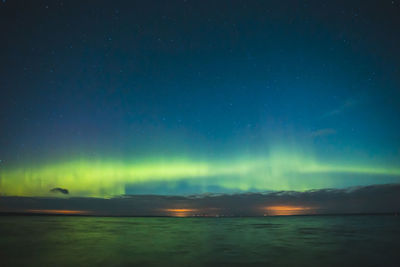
<point>367,199</point>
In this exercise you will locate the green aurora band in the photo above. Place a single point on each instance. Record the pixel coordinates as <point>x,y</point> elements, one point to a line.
<point>108,178</point>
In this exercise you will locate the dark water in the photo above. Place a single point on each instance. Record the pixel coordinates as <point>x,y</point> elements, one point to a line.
<point>277,241</point>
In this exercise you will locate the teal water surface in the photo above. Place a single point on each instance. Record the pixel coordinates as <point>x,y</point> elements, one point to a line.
<point>266,241</point>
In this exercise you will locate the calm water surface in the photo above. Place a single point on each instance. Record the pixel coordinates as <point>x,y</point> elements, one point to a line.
<point>276,241</point>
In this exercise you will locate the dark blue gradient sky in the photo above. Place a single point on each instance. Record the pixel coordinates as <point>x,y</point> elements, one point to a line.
<point>216,82</point>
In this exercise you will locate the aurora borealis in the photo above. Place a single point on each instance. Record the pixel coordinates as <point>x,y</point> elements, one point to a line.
<point>182,97</point>
<point>113,178</point>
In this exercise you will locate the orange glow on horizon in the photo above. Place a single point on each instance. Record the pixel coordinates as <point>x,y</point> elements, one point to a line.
<point>66,212</point>
<point>180,212</point>
<point>289,210</point>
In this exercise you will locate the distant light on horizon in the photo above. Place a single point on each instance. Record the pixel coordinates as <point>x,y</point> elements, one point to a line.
<point>60,212</point>
<point>182,212</point>
<point>289,210</point>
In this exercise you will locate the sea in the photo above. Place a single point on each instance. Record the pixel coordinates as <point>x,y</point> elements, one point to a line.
<point>359,240</point>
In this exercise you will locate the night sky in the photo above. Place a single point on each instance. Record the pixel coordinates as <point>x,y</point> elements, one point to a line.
<point>107,98</point>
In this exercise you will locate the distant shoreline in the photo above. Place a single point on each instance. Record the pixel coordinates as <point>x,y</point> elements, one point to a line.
<point>205,217</point>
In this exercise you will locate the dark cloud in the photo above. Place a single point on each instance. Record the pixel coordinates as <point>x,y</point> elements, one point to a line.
<point>60,190</point>
<point>367,199</point>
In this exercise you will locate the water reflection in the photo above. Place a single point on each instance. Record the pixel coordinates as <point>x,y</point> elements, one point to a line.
<point>282,240</point>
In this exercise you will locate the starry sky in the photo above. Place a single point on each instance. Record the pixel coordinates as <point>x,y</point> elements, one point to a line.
<point>107,98</point>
